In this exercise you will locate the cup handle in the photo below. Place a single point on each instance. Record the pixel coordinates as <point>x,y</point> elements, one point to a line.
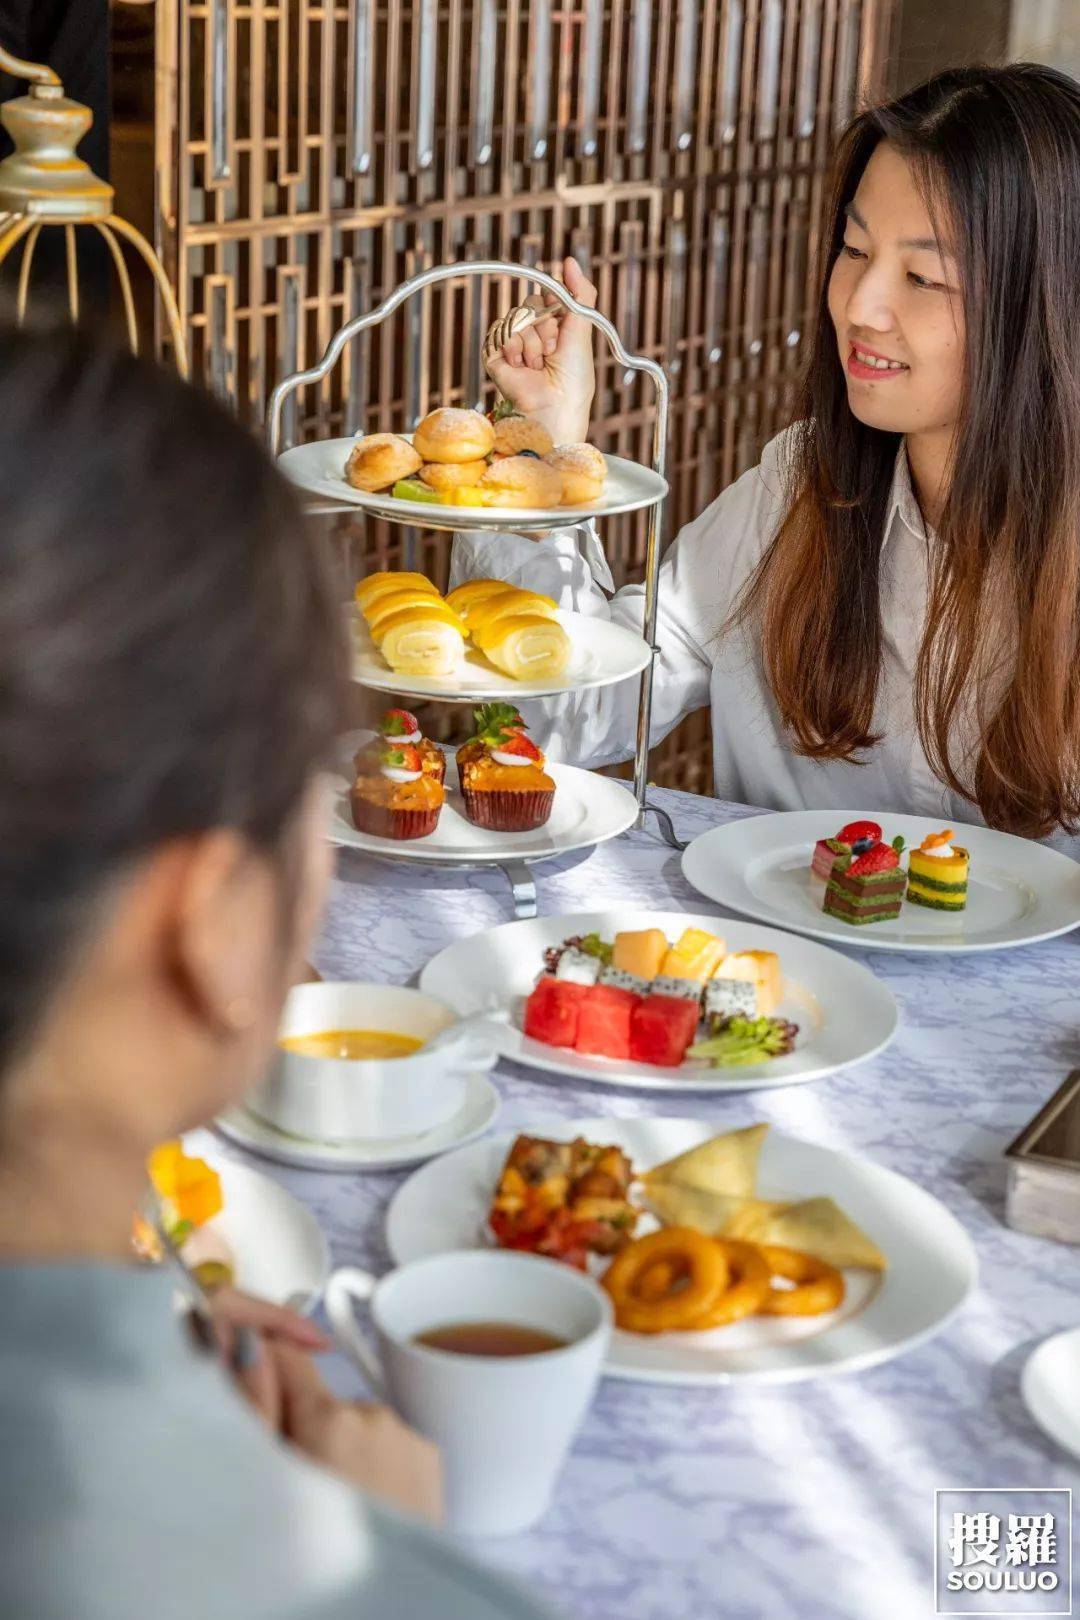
<point>345,1288</point>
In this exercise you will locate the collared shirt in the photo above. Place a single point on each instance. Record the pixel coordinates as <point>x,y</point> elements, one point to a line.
<point>137,1482</point>
<point>698,663</point>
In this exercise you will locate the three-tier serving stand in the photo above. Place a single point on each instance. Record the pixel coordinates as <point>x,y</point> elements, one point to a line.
<point>518,871</point>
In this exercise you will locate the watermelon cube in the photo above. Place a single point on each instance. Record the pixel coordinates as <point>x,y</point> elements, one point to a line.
<point>551,1012</point>
<point>661,1030</point>
<point>604,1021</point>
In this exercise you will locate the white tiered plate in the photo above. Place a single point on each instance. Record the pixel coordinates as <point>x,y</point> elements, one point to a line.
<point>844,1013</point>
<point>319,468</point>
<point>1018,891</point>
<point>603,653</point>
<point>931,1270</point>
<point>588,809</point>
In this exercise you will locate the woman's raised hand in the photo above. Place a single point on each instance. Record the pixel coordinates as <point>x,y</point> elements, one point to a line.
<point>547,370</point>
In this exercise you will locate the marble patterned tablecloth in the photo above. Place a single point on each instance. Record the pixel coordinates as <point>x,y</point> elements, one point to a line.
<point>812,1501</point>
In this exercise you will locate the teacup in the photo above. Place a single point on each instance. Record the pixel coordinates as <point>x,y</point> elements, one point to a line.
<point>504,1424</point>
<point>368,1099</point>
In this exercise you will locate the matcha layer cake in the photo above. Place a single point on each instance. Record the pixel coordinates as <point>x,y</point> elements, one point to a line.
<point>868,889</point>
<point>875,897</point>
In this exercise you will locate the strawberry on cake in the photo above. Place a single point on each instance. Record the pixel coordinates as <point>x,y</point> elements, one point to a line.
<point>854,839</point>
<point>868,887</point>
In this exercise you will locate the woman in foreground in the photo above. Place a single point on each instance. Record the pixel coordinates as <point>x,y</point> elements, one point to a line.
<point>169,670</point>
<point>885,613</point>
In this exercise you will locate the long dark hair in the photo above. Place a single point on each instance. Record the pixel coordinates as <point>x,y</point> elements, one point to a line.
<point>996,152</point>
<point>170,656</point>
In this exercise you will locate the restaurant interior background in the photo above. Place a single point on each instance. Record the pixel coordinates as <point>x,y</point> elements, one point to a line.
<point>294,160</point>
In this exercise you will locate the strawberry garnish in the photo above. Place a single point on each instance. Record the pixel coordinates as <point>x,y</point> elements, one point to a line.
<point>856,831</point>
<point>520,746</point>
<point>398,723</point>
<point>495,722</point>
<point>404,758</point>
<point>878,858</point>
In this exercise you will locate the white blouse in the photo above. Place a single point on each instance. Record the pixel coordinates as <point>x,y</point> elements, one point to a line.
<point>701,576</point>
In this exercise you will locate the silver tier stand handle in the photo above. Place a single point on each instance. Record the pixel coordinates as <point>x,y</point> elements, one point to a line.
<point>523,887</point>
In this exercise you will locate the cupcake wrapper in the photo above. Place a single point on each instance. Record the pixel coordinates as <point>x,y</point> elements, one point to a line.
<point>503,811</point>
<point>398,824</point>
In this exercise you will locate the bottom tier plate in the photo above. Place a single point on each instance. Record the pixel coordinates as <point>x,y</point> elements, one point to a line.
<point>588,809</point>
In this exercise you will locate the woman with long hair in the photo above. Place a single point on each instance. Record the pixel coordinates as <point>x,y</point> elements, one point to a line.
<point>884,614</point>
<point>170,672</point>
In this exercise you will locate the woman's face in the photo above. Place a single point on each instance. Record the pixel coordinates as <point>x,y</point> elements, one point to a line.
<point>894,298</point>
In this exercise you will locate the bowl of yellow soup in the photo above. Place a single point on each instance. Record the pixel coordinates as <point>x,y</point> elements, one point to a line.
<point>352,1064</point>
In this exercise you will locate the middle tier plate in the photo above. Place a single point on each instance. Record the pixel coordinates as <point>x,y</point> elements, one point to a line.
<point>588,810</point>
<point>603,653</point>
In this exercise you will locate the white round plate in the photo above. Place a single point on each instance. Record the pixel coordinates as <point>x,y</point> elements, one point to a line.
<point>319,468</point>
<point>477,1116</point>
<point>588,809</point>
<point>932,1265</point>
<point>844,1013</point>
<point>280,1252</point>
<point>603,654</point>
<point>1018,891</point>
<point>1050,1385</point>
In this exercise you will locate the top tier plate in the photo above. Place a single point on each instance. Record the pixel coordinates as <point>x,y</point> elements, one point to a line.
<point>319,469</point>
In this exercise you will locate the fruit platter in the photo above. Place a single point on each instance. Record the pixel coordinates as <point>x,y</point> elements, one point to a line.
<point>666,1001</point>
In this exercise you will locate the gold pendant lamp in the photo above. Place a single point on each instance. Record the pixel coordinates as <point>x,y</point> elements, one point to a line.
<point>44,184</point>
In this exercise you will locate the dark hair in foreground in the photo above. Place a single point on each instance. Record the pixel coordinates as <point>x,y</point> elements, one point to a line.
<point>169,646</point>
<point>996,152</point>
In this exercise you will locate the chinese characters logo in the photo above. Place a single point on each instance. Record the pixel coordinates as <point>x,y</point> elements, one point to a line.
<point>1003,1552</point>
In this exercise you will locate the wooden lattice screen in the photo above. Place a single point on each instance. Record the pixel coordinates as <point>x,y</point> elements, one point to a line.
<point>310,155</point>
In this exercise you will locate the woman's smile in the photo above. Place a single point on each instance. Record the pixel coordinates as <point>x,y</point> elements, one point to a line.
<point>870,365</point>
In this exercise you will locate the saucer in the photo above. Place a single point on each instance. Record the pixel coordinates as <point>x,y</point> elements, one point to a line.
<point>244,1128</point>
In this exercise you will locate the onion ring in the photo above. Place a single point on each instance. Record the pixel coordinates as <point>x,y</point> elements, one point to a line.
<point>748,1289</point>
<point>818,1288</point>
<point>706,1275</point>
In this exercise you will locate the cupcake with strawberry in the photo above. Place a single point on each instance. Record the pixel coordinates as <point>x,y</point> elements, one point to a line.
<point>399,728</point>
<point>393,795</point>
<point>504,786</point>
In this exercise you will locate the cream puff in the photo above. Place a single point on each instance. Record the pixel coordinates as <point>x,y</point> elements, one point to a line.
<point>455,436</point>
<point>445,477</point>
<point>521,481</point>
<point>513,434</point>
<point>379,460</point>
<point>583,471</point>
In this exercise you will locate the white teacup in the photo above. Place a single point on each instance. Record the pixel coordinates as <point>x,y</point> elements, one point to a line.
<point>351,1100</point>
<point>503,1424</point>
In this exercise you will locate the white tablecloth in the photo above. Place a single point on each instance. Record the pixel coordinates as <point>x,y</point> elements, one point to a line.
<point>812,1501</point>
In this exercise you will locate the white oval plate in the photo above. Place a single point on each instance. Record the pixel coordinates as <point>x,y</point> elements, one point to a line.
<point>246,1130</point>
<point>319,468</point>
<point>1018,891</point>
<point>280,1252</point>
<point>844,1013</point>
<point>932,1265</point>
<point>1050,1385</point>
<point>603,654</point>
<point>588,809</point>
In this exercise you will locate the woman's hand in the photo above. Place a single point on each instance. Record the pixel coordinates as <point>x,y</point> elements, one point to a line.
<point>367,1445</point>
<point>245,1329</point>
<point>547,370</point>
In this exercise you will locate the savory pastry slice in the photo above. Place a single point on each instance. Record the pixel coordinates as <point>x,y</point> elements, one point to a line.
<point>724,1164</point>
<point>563,1199</point>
